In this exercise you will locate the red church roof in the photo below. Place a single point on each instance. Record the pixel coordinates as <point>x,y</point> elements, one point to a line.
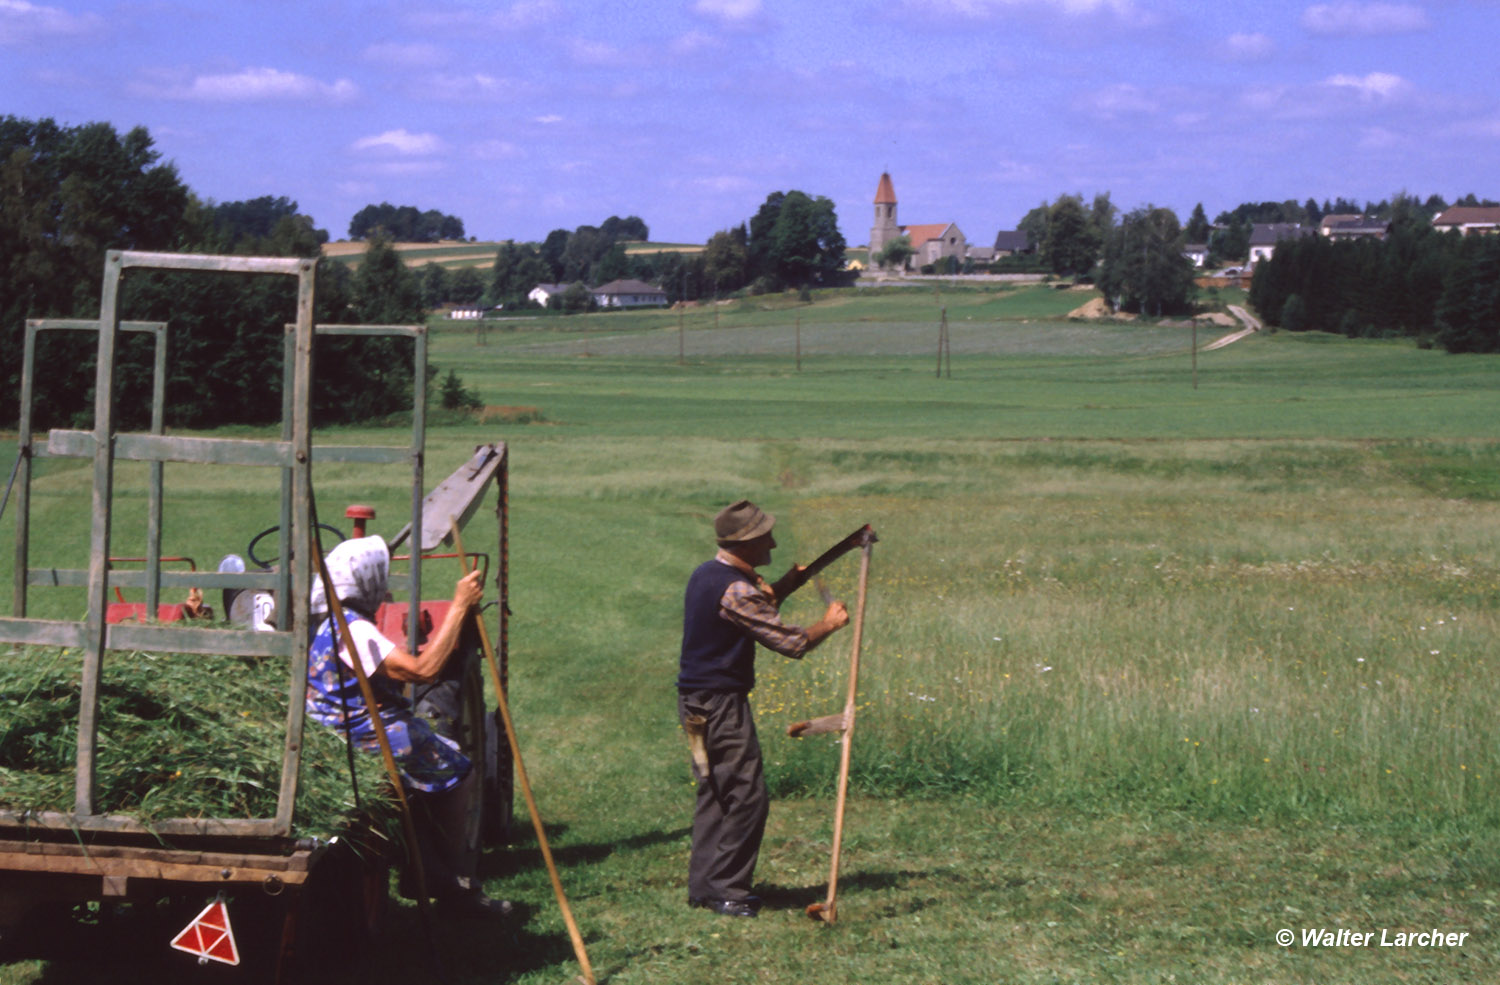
<point>885,192</point>
<point>922,233</point>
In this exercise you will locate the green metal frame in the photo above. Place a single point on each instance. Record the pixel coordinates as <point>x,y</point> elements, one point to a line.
<point>294,454</point>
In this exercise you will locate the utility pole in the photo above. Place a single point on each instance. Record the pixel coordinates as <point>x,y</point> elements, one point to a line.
<point>945,350</point>
<point>1195,353</point>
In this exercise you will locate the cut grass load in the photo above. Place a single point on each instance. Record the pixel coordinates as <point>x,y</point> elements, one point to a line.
<point>180,737</point>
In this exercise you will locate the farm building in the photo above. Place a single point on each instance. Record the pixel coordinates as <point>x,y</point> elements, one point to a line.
<point>1468,219</point>
<point>1265,235</point>
<point>629,294</point>
<point>543,293</point>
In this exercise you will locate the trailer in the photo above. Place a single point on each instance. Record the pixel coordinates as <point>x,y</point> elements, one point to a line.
<point>255,876</point>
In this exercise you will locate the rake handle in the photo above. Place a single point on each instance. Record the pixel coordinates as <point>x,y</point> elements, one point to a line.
<point>522,780</point>
<point>828,910</point>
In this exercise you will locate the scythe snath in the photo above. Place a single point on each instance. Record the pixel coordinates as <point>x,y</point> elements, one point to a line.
<point>864,538</point>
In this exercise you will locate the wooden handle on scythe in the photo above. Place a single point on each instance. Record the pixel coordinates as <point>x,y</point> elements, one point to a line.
<point>827,911</point>
<point>522,781</point>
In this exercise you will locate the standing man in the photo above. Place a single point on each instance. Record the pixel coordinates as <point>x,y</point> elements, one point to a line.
<point>727,610</point>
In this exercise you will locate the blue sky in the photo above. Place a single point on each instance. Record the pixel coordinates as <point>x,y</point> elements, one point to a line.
<point>523,117</point>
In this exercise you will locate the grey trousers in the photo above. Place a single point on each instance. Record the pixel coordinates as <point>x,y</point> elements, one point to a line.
<point>730,817</point>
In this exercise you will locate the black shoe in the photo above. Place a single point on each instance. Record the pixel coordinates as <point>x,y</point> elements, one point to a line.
<point>727,907</point>
<point>473,905</point>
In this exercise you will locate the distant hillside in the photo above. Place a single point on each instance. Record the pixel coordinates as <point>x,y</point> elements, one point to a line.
<point>454,255</point>
<point>450,254</point>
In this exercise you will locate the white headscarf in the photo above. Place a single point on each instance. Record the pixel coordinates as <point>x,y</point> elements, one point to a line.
<point>360,570</point>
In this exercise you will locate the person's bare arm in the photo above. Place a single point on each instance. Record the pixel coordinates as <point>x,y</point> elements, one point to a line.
<point>835,618</point>
<point>427,663</point>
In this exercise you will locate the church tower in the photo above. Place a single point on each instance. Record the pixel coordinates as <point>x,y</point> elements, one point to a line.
<point>885,228</point>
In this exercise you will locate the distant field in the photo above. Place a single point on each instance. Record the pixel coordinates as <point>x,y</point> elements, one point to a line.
<point>476,254</point>
<point>449,254</point>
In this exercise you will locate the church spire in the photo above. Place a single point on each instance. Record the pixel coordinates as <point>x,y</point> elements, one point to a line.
<point>885,228</point>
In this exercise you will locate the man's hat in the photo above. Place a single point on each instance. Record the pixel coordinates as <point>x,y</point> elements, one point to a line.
<point>742,521</point>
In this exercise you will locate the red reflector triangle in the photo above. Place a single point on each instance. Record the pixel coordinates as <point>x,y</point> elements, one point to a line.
<point>209,936</point>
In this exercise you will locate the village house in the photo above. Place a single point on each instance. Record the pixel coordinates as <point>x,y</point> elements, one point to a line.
<point>543,293</point>
<point>1468,219</point>
<point>1265,235</point>
<point>1337,227</point>
<point>629,294</point>
<point>1012,242</point>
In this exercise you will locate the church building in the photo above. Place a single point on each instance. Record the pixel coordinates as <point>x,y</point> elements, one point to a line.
<point>930,242</point>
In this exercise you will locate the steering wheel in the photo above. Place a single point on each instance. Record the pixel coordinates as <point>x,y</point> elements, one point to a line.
<point>266,564</point>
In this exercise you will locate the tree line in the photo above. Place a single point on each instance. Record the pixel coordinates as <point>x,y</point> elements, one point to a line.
<point>792,241</point>
<point>1439,288</point>
<point>1358,287</point>
<point>405,224</point>
<point>70,193</point>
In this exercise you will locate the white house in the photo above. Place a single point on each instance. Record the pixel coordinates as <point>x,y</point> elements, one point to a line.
<point>1468,219</point>
<point>542,292</point>
<point>1265,235</point>
<point>1353,227</point>
<point>629,294</point>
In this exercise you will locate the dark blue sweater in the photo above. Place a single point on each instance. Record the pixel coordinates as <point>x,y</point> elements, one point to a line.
<point>716,655</point>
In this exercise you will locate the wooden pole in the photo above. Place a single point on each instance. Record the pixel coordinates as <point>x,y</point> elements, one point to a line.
<point>799,343</point>
<point>346,640</point>
<point>1195,353</point>
<point>521,779</point>
<point>942,341</point>
<point>947,346</point>
<point>827,911</point>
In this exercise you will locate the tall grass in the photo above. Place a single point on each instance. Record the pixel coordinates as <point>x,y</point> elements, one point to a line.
<point>1103,641</point>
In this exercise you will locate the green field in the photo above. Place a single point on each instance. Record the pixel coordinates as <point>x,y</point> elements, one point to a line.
<point>1151,670</point>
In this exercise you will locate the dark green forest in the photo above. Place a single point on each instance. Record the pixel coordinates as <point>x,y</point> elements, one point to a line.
<point>70,193</point>
<point>1440,288</point>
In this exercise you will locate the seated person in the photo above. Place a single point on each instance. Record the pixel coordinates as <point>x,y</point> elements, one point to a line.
<point>433,769</point>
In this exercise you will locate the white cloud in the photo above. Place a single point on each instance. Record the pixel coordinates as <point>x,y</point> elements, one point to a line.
<point>21,22</point>
<point>729,12</point>
<point>495,150</point>
<point>1478,128</point>
<point>401,142</point>
<point>473,87</point>
<point>548,120</point>
<point>1371,87</point>
<point>599,54</point>
<point>1349,18</point>
<point>404,169</point>
<point>1379,138</point>
<point>254,85</point>
<point>1118,100</point>
<point>724,183</point>
<point>356,189</point>
<point>515,18</point>
<point>984,9</point>
<point>693,42</point>
<point>1249,47</point>
<point>737,11</point>
<point>406,55</point>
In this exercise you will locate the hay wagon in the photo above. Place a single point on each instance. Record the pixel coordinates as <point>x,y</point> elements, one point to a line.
<point>263,869</point>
